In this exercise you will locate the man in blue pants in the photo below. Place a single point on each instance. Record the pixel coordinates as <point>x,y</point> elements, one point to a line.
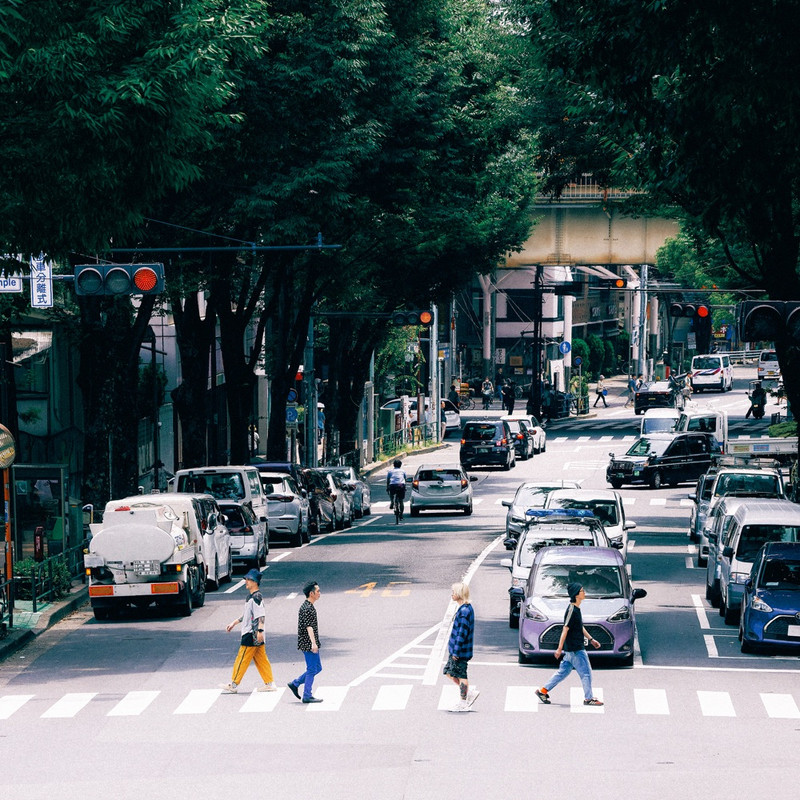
<point>308,643</point>
<point>571,644</point>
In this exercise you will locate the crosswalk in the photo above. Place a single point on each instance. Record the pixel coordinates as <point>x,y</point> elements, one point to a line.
<point>400,697</point>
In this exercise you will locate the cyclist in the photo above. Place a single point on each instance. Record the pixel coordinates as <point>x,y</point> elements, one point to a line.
<point>396,482</point>
<point>487,390</point>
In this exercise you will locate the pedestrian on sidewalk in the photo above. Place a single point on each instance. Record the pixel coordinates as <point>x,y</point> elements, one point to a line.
<point>460,647</point>
<point>252,646</point>
<point>508,397</point>
<point>308,642</point>
<point>571,646</point>
<point>631,391</point>
<point>600,392</point>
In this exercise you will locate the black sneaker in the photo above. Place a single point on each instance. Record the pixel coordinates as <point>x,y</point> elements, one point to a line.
<point>312,699</point>
<point>543,696</point>
<point>293,690</point>
<point>593,702</point>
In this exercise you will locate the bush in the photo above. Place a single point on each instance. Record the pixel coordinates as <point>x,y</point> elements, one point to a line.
<point>610,360</point>
<point>25,568</point>
<point>597,352</point>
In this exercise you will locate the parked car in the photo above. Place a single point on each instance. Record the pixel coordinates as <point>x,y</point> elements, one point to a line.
<point>288,508</point>
<point>322,501</point>
<point>768,368</point>
<point>553,528</point>
<point>522,436</point>
<point>663,458</point>
<point>537,430</point>
<point>711,371</point>
<point>608,610</point>
<point>441,487</point>
<point>754,524</point>
<point>701,497</point>
<point>248,543</point>
<point>357,488</point>
<point>487,442</point>
<point>771,599</point>
<point>658,394</point>
<point>295,470</point>
<point>452,415</point>
<point>396,405</point>
<point>532,494</point>
<point>605,504</point>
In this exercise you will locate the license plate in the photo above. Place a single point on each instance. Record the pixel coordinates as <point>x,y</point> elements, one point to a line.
<point>147,567</point>
<point>482,449</point>
<point>637,472</point>
<point>793,630</point>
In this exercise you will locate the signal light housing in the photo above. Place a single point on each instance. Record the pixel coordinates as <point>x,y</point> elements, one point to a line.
<point>118,279</point>
<point>416,317</point>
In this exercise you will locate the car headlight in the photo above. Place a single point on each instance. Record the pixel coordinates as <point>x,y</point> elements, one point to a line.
<point>620,615</point>
<point>517,582</point>
<point>615,539</point>
<point>757,604</point>
<point>739,577</point>
<point>531,612</point>
<point>517,518</point>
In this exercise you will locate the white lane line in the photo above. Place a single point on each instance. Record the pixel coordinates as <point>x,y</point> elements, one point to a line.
<point>700,609</point>
<point>69,705</point>
<point>198,701</point>
<point>12,703</point>
<point>686,502</point>
<point>239,584</point>
<point>716,704</point>
<point>521,698</point>
<point>397,654</point>
<point>437,655</point>
<point>576,701</point>
<point>628,501</point>
<point>711,646</point>
<point>133,704</point>
<point>780,706</point>
<point>606,438</point>
<point>658,501</point>
<point>333,697</point>
<point>584,438</point>
<point>448,698</point>
<point>689,562</point>
<point>278,558</point>
<point>631,544</point>
<point>291,595</point>
<point>262,702</point>
<point>392,697</point>
<point>651,701</point>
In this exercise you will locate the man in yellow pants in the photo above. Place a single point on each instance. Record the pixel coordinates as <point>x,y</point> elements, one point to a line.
<point>252,644</point>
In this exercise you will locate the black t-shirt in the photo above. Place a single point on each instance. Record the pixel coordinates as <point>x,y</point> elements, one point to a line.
<point>574,623</point>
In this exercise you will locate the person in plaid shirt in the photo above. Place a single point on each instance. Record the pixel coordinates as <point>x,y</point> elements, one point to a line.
<point>460,647</point>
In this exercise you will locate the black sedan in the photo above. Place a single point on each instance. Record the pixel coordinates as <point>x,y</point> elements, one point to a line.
<point>659,394</point>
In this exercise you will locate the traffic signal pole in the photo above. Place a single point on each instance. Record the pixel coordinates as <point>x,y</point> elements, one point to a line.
<point>642,362</point>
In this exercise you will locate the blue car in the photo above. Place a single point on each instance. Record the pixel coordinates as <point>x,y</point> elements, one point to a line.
<point>771,601</point>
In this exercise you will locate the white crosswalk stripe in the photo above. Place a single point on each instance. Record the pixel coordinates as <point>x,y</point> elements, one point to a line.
<point>69,705</point>
<point>780,706</point>
<point>651,701</point>
<point>262,702</point>
<point>576,701</point>
<point>133,704</point>
<point>12,703</point>
<point>392,698</point>
<point>198,701</point>
<point>521,698</point>
<point>716,704</point>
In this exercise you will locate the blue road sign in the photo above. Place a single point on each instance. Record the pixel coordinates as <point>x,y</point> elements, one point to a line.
<point>291,414</point>
<point>565,347</point>
<point>577,361</point>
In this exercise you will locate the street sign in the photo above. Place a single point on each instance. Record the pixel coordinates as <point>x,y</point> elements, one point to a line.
<point>577,361</point>
<point>565,347</point>
<point>41,283</point>
<point>8,448</point>
<point>291,396</point>
<point>10,283</point>
<point>291,414</point>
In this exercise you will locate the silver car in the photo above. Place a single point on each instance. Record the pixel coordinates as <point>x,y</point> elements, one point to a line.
<point>359,490</point>
<point>287,508</point>
<point>532,494</point>
<point>441,486</point>
<point>248,543</point>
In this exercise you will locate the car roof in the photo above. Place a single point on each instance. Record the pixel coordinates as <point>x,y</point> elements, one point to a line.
<point>586,494</point>
<point>602,556</point>
<point>440,466</point>
<point>780,512</point>
<point>666,413</point>
<point>782,549</point>
<point>546,484</point>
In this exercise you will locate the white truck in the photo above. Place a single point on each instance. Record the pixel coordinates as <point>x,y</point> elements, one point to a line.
<point>141,556</point>
<point>703,418</point>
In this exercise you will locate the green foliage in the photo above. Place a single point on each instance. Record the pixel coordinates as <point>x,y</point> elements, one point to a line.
<point>27,566</point>
<point>609,358</point>
<point>597,354</point>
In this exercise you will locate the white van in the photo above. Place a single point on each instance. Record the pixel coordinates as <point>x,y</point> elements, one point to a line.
<point>711,371</point>
<point>659,420</point>
<point>754,524</point>
<point>226,483</point>
<point>768,368</point>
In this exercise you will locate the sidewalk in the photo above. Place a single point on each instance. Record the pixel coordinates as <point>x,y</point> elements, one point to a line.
<point>27,625</point>
<point>617,386</point>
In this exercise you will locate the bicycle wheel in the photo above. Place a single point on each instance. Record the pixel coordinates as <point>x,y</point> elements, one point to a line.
<point>468,403</point>
<point>398,510</point>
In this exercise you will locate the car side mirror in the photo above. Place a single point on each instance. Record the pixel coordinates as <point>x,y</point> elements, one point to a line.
<point>638,594</point>
<point>506,503</point>
<point>629,526</point>
<point>473,478</point>
<point>748,584</point>
<point>611,455</point>
<point>692,496</point>
<point>617,544</point>
<point>727,552</point>
<point>712,538</point>
<point>262,519</point>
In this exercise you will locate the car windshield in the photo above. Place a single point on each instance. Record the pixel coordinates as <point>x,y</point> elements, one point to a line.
<point>748,485</point>
<point>533,543</point>
<point>551,580</point>
<point>604,510</point>
<point>705,363</point>
<point>649,447</point>
<point>482,432</point>
<point>514,425</point>
<point>439,475</point>
<point>754,537</point>
<point>221,486</point>
<point>344,473</point>
<point>780,573</point>
<point>533,496</point>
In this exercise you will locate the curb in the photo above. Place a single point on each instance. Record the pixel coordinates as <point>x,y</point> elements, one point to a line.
<point>371,469</point>
<point>19,637</point>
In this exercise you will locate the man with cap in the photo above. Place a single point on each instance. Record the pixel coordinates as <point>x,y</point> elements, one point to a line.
<point>571,645</point>
<point>252,643</point>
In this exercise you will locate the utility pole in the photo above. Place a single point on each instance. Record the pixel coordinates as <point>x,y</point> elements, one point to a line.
<point>640,369</point>
<point>536,360</point>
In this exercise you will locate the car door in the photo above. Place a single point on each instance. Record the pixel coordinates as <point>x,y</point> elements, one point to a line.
<point>673,462</point>
<point>699,456</point>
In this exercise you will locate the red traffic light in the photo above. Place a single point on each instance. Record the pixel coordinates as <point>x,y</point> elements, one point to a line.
<point>419,317</point>
<point>145,279</point>
<point>119,279</point>
<point>703,311</point>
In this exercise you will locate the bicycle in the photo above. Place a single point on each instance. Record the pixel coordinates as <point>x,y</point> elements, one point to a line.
<point>466,402</point>
<point>398,509</point>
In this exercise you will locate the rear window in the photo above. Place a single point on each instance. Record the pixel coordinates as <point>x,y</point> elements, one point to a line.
<point>220,485</point>
<point>604,510</point>
<point>706,362</point>
<point>234,517</point>
<point>439,475</point>
<point>480,432</point>
<point>779,573</point>
<point>748,485</point>
<point>754,537</point>
<point>534,543</point>
<point>768,356</point>
<point>274,485</point>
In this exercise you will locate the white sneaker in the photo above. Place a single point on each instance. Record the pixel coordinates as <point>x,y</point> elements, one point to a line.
<point>472,695</point>
<point>267,687</point>
<point>229,688</point>
<point>461,705</point>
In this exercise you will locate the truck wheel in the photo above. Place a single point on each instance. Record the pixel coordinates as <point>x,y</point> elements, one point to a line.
<point>101,614</point>
<point>185,603</point>
<point>199,594</point>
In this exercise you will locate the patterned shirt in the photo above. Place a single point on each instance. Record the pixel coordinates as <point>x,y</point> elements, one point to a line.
<point>253,612</point>
<point>307,618</point>
<point>461,636</point>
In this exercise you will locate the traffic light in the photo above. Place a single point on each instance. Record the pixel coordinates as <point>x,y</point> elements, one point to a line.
<point>571,287</point>
<point>767,320</point>
<point>613,283</point>
<point>689,310</point>
<point>418,317</point>
<point>119,279</point>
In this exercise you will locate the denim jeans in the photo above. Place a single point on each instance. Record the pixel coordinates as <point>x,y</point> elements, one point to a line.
<point>313,668</point>
<point>578,661</point>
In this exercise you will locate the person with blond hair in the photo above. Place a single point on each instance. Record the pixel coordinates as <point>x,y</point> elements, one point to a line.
<point>460,647</point>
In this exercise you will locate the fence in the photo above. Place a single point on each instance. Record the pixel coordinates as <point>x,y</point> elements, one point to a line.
<point>385,447</point>
<point>6,606</point>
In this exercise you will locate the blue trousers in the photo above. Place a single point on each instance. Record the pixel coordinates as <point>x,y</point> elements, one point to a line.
<point>313,668</point>
<point>578,661</point>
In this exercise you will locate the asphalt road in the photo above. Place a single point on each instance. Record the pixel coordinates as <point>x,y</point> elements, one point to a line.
<point>131,707</point>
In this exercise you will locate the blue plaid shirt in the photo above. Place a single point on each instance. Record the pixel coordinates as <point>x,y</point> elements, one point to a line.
<point>461,636</point>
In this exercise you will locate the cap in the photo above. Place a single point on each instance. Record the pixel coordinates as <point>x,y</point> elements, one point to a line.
<point>253,575</point>
<point>574,589</point>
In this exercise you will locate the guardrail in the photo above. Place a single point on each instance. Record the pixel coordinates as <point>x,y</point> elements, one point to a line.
<point>47,580</point>
<point>743,356</point>
<point>6,606</point>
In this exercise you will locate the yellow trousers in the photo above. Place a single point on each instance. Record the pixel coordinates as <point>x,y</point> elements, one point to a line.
<point>243,659</point>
